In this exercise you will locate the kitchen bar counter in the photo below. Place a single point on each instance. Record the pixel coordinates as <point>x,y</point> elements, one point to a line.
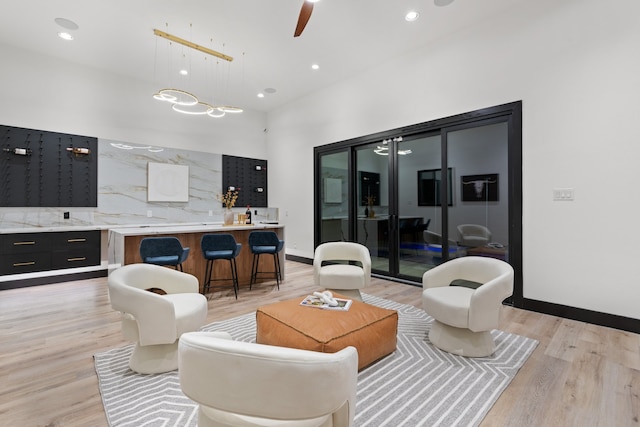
<point>124,243</point>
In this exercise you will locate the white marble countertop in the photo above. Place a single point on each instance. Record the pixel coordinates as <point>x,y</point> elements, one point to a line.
<point>133,229</point>
<point>54,228</point>
<point>186,228</point>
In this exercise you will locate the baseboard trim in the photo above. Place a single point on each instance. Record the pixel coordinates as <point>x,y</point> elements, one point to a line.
<point>594,317</point>
<point>48,280</point>
<point>296,258</point>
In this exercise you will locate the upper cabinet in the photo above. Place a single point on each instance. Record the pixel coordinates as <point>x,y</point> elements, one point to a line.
<point>47,169</point>
<point>249,177</point>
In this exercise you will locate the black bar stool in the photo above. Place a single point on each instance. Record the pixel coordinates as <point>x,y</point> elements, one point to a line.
<point>220,246</point>
<point>265,242</point>
<point>163,251</point>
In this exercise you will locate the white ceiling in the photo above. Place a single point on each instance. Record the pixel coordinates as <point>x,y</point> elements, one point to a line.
<point>345,37</point>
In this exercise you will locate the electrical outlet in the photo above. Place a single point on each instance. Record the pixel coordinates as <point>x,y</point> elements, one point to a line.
<point>66,215</point>
<point>149,214</point>
<point>210,212</point>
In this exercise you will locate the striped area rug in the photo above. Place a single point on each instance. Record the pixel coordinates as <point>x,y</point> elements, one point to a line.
<point>417,385</point>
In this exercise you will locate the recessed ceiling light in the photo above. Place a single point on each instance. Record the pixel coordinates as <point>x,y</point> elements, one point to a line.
<point>260,95</point>
<point>65,36</point>
<point>411,16</point>
<point>442,2</point>
<point>315,67</point>
<point>184,72</point>
<point>66,23</point>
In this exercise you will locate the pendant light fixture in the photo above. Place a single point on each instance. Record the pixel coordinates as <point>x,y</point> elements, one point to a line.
<point>186,102</point>
<point>383,150</point>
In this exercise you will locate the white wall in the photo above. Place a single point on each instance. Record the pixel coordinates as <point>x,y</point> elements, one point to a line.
<point>45,93</point>
<point>40,92</point>
<point>575,66</point>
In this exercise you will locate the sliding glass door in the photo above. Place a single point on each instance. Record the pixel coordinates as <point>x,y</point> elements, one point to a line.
<point>372,221</point>
<point>478,221</point>
<point>419,196</point>
<point>334,196</point>
<point>453,205</point>
<point>419,171</point>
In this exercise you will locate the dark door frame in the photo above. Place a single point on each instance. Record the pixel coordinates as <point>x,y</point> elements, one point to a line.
<point>511,113</point>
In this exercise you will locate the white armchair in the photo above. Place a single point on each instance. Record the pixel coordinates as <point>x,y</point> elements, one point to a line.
<point>344,276</point>
<point>154,321</point>
<point>246,384</point>
<point>464,317</point>
<point>473,235</point>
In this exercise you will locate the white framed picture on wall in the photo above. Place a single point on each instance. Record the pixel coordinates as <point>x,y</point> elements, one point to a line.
<point>167,182</point>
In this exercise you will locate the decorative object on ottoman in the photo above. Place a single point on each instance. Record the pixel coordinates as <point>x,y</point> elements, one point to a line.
<point>245,384</point>
<point>464,317</point>
<point>335,268</point>
<point>326,301</point>
<point>153,321</point>
<point>370,329</point>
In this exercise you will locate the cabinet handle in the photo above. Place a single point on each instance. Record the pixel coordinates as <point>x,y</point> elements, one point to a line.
<point>76,259</point>
<point>22,264</point>
<point>23,243</point>
<point>76,240</point>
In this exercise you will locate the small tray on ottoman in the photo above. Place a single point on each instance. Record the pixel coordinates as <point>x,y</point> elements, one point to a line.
<point>371,330</point>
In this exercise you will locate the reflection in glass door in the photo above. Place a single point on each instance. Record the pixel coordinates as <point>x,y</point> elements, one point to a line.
<point>334,199</point>
<point>479,220</point>
<point>372,204</point>
<point>419,163</point>
<point>473,188</point>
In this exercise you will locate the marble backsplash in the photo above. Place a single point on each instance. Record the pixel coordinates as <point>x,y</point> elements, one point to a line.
<point>122,193</point>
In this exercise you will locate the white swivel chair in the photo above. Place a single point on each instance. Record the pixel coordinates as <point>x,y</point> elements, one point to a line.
<point>154,321</point>
<point>464,317</point>
<point>474,235</point>
<point>345,278</point>
<point>246,384</point>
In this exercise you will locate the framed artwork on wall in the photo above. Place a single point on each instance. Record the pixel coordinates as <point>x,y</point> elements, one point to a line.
<point>479,188</point>
<point>167,183</point>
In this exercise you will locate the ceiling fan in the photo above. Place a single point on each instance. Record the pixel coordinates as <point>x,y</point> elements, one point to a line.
<point>305,14</point>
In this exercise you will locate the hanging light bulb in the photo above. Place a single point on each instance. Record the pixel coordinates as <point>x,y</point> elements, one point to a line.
<point>216,112</point>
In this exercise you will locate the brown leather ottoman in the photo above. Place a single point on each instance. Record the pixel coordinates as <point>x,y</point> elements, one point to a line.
<point>371,330</point>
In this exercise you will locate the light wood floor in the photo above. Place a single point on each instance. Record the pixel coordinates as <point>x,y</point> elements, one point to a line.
<point>579,375</point>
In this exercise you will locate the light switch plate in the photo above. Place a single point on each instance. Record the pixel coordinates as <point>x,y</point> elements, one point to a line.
<point>563,194</point>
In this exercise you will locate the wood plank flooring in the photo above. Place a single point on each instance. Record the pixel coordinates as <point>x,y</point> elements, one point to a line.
<point>579,375</point>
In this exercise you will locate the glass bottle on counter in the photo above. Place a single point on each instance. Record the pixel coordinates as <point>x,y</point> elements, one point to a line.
<point>18,151</point>
<point>248,213</point>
